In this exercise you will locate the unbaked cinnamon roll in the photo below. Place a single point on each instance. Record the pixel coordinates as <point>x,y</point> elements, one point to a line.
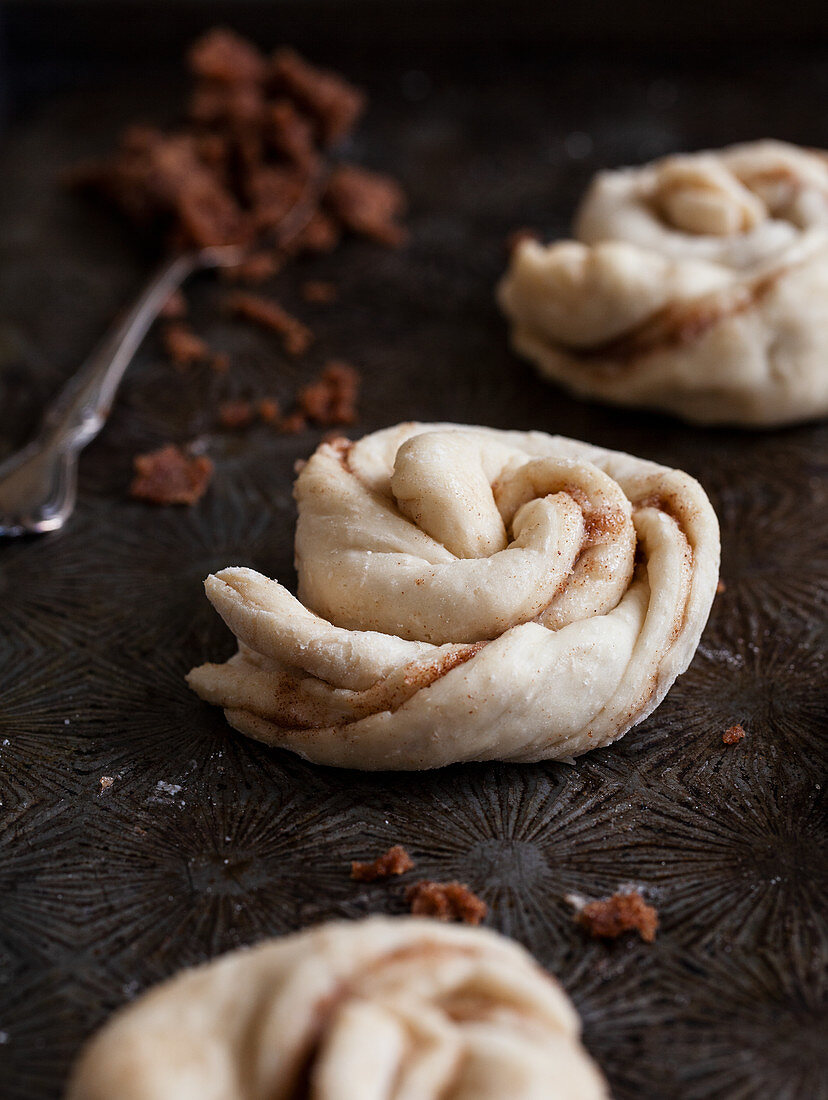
<point>697,285</point>
<point>378,1009</point>
<point>468,594</point>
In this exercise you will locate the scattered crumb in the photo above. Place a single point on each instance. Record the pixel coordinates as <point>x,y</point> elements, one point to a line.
<point>236,414</point>
<point>721,587</point>
<point>608,918</point>
<point>320,234</point>
<point>257,268</point>
<point>241,414</point>
<point>293,423</point>
<point>139,831</point>
<point>396,861</point>
<point>733,735</point>
<point>183,346</point>
<point>269,411</point>
<point>316,290</point>
<point>445,901</point>
<point>332,398</point>
<point>106,782</point>
<point>367,203</point>
<point>269,315</point>
<point>175,307</point>
<point>249,163</point>
<point>170,476</point>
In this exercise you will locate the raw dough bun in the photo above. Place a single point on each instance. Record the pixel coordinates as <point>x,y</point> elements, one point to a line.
<point>468,594</point>
<point>698,285</point>
<point>377,1009</point>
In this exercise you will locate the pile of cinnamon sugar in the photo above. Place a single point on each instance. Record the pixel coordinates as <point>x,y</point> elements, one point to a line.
<point>252,165</point>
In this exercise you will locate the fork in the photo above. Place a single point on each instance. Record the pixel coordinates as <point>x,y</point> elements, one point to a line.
<point>38,484</point>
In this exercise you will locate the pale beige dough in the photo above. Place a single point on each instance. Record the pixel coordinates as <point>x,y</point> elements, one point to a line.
<point>468,594</point>
<point>697,285</point>
<point>377,1009</point>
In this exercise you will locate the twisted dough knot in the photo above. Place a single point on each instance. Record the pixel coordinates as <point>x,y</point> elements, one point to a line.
<point>380,1009</point>
<point>466,594</point>
<point>696,285</point>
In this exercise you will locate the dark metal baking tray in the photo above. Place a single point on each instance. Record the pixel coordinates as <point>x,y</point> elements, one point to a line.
<point>102,894</point>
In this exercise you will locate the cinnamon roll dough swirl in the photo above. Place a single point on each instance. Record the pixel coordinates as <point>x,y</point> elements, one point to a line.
<point>696,284</point>
<point>378,1009</point>
<point>468,594</point>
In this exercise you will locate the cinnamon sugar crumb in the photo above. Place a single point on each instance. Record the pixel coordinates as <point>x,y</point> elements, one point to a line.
<point>106,782</point>
<point>269,411</point>
<point>733,735</point>
<point>236,414</point>
<point>293,424</point>
<point>257,268</point>
<point>608,918</point>
<point>396,861</point>
<point>269,315</point>
<point>367,203</point>
<point>721,587</point>
<point>445,901</point>
<point>317,290</point>
<point>332,398</point>
<point>175,307</point>
<point>170,476</point>
<point>183,346</point>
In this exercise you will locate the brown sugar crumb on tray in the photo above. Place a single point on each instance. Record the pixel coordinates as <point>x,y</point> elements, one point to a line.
<point>396,861</point>
<point>256,268</point>
<point>269,411</point>
<point>183,347</point>
<point>332,398</point>
<point>319,291</point>
<point>236,414</point>
<point>170,476</point>
<point>269,315</point>
<point>733,735</point>
<point>175,307</point>
<point>250,165</point>
<point>367,203</point>
<point>445,901</point>
<point>608,918</point>
<point>292,424</point>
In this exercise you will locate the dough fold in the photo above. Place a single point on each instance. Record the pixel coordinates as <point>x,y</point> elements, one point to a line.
<point>696,285</point>
<point>377,1009</point>
<point>468,594</point>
